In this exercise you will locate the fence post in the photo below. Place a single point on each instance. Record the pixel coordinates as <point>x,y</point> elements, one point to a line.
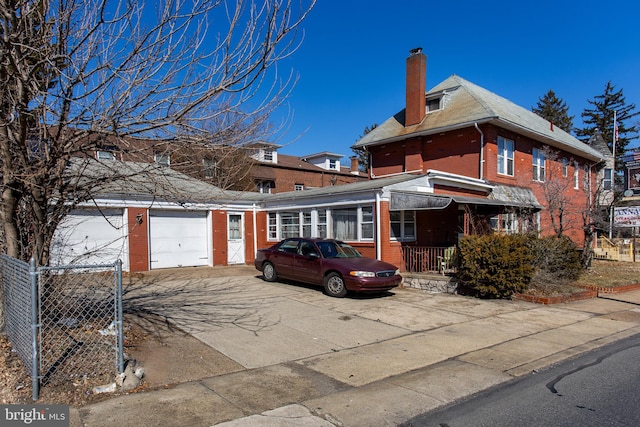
<point>119,320</point>
<point>35,381</point>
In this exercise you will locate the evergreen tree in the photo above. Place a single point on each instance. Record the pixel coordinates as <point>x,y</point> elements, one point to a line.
<point>601,117</point>
<point>555,110</point>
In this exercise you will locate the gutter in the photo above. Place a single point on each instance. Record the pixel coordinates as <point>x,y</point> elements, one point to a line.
<point>480,175</point>
<point>428,132</point>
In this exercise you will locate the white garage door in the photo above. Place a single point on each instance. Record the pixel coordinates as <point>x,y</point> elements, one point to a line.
<point>90,236</point>
<point>178,239</point>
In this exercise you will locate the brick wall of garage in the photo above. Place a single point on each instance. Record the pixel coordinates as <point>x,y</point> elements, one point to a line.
<point>220,240</point>
<point>390,251</point>
<point>249,250</point>
<point>138,239</point>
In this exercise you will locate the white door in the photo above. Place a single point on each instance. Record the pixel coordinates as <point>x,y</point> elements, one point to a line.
<point>235,233</point>
<point>178,239</point>
<point>90,236</point>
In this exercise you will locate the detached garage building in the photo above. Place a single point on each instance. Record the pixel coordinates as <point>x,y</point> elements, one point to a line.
<point>158,218</point>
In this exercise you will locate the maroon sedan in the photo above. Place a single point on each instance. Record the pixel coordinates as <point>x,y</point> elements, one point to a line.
<point>335,265</point>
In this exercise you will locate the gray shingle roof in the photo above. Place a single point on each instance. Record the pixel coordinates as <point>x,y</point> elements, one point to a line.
<point>464,104</point>
<point>147,181</point>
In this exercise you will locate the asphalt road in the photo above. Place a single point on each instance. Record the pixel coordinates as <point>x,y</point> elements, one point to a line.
<point>600,388</point>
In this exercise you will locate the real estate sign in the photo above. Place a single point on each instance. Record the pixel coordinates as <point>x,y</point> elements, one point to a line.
<point>627,216</point>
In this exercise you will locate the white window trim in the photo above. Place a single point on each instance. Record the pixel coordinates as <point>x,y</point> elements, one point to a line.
<point>539,163</point>
<point>403,222</point>
<point>505,155</point>
<point>607,179</point>
<point>274,231</point>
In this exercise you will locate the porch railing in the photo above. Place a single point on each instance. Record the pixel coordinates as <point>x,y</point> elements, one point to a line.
<point>428,259</point>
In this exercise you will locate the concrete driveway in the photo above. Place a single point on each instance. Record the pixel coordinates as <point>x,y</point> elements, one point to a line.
<point>258,324</point>
<point>361,360</point>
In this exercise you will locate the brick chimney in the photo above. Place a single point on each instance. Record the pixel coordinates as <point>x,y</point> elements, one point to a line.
<point>355,165</point>
<point>416,87</point>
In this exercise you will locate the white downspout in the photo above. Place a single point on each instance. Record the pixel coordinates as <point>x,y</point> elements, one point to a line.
<point>255,231</point>
<point>378,240</point>
<point>481,150</point>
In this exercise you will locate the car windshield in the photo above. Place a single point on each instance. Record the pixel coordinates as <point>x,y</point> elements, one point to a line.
<point>338,250</point>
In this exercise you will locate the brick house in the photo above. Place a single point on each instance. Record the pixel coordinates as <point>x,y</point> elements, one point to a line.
<point>460,128</point>
<point>458,159</point>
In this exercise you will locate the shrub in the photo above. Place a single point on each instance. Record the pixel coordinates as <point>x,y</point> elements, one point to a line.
<point>495,266</point>
<point>556,259</point>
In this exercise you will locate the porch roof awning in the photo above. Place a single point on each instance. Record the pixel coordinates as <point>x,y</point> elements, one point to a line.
<point>412,200</point>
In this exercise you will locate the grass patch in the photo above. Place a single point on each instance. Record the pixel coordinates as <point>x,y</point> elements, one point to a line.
<point>611,274</point>
<point>606,274</point>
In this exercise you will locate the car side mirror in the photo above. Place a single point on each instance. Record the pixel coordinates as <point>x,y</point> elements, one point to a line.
<point>313,255</point>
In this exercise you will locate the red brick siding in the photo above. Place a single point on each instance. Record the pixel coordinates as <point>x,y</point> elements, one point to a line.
<point>138,240</point>
<point>220,240</point>
<point>455,152</point>
<point>437,227</point>
<point>286,179</point>
<point>367,249</point>
<point>459,152</point>
<point>387,159</point>
<point>261,230</point>
<point>390,252</point>
<point>248,237</point>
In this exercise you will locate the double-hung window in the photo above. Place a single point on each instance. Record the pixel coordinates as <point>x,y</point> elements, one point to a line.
<point>403,225</point>
<point>366,223</point>
<point>538,165</point>
<point>289,224</point>
<point>345,223</point>
<point>505,156</point>
<point>607,180</point>
<point>272,232</point>
<point>576,175</point>
<point>321,227</point>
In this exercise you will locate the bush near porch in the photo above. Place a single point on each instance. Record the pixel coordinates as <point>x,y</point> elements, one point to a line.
<point>497,266</point>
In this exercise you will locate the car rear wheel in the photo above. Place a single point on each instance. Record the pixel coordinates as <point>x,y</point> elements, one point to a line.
<point>334,285</point>
<point>269,272</point>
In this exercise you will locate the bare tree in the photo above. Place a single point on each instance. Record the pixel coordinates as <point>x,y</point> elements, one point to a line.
<point>555,189</point>
<point>74,74</point>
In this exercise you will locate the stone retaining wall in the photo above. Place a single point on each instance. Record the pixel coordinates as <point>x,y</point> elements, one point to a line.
<point>430,283</point>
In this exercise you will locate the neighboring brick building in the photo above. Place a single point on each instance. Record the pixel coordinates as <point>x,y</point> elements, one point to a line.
<point>258,167</point>
<point>277,173</point>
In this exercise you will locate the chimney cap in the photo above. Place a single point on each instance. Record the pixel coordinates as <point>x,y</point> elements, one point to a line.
<point>415,50</point>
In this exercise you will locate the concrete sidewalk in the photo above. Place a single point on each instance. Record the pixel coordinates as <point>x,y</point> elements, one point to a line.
<point>312,360</point>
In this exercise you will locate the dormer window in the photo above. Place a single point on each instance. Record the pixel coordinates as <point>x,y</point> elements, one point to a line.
<point>333,164</point>
<point>433,104</point>
<point>268,155</point>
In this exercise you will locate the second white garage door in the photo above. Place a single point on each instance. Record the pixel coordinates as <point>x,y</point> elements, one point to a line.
<point>178,239</point>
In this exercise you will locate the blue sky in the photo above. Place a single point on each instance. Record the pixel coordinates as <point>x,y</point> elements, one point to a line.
<point>351,63</point>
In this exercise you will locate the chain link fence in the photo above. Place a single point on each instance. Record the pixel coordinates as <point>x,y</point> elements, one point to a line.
<point>65,323</point>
